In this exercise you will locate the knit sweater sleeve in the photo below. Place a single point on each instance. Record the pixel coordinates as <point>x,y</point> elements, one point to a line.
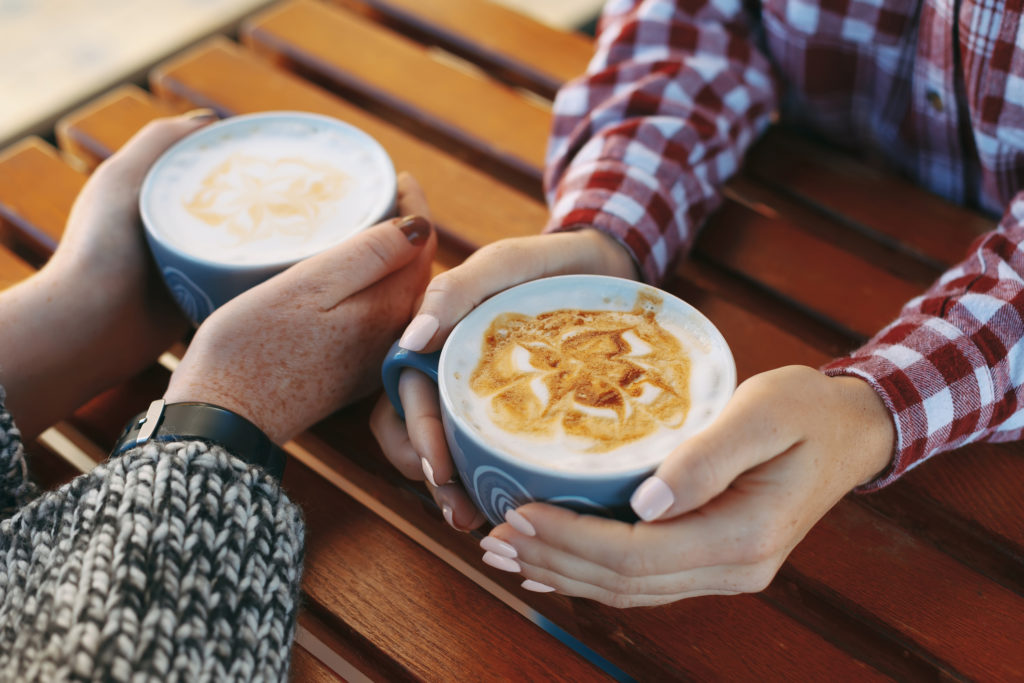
<point>15,487</point>
<point>176,561</point>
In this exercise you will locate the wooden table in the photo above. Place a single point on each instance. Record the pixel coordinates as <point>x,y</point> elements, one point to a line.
<point>811,253</point>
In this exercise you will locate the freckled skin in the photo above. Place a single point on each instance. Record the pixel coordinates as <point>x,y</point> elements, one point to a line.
<point>291,351</point>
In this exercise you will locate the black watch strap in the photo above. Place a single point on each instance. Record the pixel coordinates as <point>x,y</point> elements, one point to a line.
<point>206,422</point>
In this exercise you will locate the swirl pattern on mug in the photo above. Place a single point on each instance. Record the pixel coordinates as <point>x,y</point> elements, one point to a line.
<point>582,505</point>
<point>190,298</point>
<point>497,492</point>
<point>603,378</point>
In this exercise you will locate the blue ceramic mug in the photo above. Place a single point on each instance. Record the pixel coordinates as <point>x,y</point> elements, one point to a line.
<point>503,471</point>
<point>240,200</point>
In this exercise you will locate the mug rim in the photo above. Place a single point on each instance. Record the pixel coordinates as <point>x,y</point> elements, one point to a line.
<point>470,432</point>
<point>389,196</point>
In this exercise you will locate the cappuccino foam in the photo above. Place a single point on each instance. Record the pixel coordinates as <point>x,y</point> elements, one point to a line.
<point>271,193</point>
<point>587,390</point>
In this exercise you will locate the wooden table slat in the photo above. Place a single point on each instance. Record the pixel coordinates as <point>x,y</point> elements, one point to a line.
<point>37,218</point>
<point>837,183</point>
<point>90,138</point>
<point>359,58</point>
<point>509,44</point>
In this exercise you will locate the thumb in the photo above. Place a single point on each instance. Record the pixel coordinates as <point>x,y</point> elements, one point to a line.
<point>130,163</point>
<point>454,293</point>
<point>363,259</point>
<point>746,434</point>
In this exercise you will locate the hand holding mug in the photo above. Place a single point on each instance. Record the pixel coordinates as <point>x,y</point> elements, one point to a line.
<point>725,510</point>
<point>571,390</point>
<point>302,344</point>
<point>100,286</point>
<point>416,445</point>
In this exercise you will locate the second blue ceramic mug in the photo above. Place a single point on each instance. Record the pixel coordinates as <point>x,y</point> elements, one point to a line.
<point>498,480</point>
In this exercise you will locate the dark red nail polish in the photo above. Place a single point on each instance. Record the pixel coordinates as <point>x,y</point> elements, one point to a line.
<point>415,228</point>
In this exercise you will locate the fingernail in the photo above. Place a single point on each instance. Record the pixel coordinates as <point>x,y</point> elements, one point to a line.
<point>449,516</point>
<point>202,114</point>
<point>505,564</point>
<point>651,499</point>
<point>498,547</point>
<point>416,229</point>
<point>419,332</point>
<point>428,472</point>
<point>520,523</point>
<point>536,586</point>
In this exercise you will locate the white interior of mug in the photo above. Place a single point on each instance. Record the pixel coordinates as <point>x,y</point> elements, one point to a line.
<point>267,189</point>
<point>712,371</point>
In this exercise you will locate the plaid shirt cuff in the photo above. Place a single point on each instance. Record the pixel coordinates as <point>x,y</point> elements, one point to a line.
<point>608,196</point>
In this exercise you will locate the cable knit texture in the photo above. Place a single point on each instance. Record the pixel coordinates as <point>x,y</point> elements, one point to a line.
<point>15,488</point>
<point>176,561</point>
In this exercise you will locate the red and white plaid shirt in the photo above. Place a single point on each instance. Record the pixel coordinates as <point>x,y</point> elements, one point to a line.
<point>678,90</point>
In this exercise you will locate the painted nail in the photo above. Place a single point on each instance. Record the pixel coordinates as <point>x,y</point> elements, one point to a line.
<point>536,586</point>
<point>449,516</point>
<point>498,547</point>
<point>202,114</point>
<point>520,523</point>
<point>428,472</point>
<point>415,228</point>
<point>651,499</point>
<point>505,564</point>
<point>419,332</point>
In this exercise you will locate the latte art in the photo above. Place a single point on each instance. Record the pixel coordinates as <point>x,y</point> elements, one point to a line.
<point>268,191</point>
<point>604,379</point>
<point>255,198</point>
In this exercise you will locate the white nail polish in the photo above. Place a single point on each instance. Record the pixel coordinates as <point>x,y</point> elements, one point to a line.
<point>498,547</point>
<point>449,516</point>
<point>419,332</point>
<point>536,586</point>
<point>505,564</point>
<point>520,523</point>
<point>428,471</point>
<point>651,499</point>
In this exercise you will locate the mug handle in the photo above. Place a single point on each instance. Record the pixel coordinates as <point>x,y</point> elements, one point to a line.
<point>397,360</point>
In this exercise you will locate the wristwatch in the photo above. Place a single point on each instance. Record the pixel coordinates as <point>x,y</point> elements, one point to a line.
<point>207,422</point>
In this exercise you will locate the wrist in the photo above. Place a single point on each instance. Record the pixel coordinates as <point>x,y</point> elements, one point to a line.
<point>611,256</point>
<point>210,423</point>
<point>870,419</point>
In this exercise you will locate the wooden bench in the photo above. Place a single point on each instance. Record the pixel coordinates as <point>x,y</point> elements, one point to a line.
<point>812,252</point>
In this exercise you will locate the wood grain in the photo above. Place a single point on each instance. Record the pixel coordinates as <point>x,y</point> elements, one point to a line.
<point>95,131</point>
<point>37,217</point>
<point>508,44</point>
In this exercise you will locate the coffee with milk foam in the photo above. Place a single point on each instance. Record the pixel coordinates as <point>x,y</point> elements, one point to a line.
<point>588,390</point>
<point>277,192</point>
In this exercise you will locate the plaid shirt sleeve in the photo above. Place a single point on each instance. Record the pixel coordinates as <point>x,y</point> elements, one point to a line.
<point>642,142</point>
<point>951,367</point>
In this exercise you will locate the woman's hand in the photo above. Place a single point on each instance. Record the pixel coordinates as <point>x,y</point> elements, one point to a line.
<point>97,313</point>
<point>417,446</point>
<point>724,510</point>
<point>297,347</point>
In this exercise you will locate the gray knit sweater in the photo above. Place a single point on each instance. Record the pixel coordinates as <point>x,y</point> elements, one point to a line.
<point>173,562</point>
